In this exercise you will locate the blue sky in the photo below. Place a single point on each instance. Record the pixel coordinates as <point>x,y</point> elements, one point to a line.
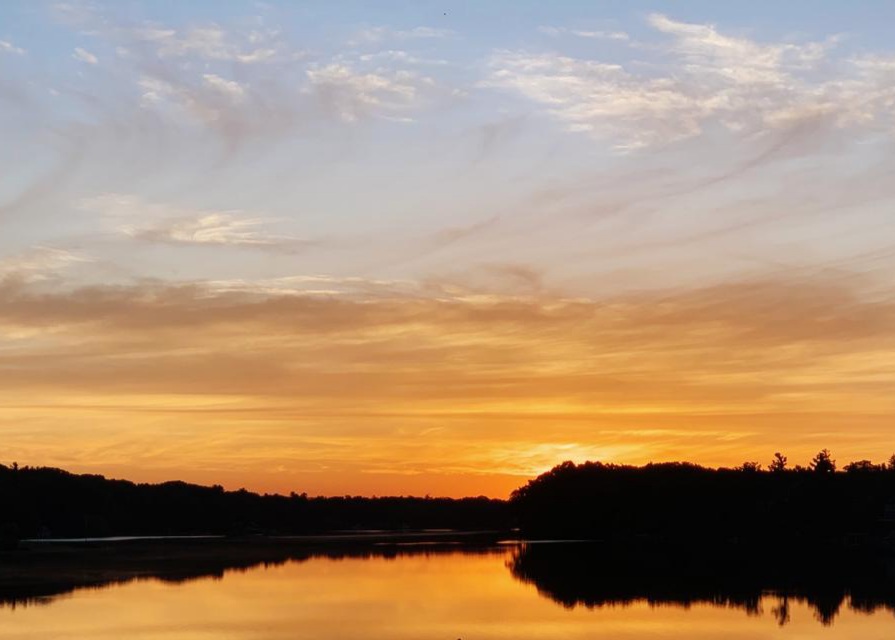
<point>396,174</point>
<point>268,109</point>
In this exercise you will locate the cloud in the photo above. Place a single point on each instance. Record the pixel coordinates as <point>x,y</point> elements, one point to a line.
<point>489,279</point>
<point>223,229</point>
<point>208,108</point>
<point>704,49</point>
<point>123,205</point>
<point>215,102</point>
<point>873,64</point>
<point>39,264</point>
<point>426,32</point>
<point>83,55</point>
<point>704,78</point>
<point>379,34</point>
<point>710,373</point>
<point>207,86</point>
<point>164,223</point>
<point>8,47</point>
<point>229,87</point>
<point>599,98</point>
<point>594,35</point>
<point>397,55</point>
<point>754,319</point>
<point>354,94</point>
<point>236,84</point>
<point>749,337</point>
<point>211,42</point>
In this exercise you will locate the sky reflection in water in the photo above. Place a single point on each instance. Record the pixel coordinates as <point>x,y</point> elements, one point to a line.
<point>423,594</point>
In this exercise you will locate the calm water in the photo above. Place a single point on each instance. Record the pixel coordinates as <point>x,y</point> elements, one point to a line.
<point>496,593</point>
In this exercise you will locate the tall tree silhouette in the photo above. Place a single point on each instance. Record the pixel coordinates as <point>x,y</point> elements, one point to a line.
<point>823,462</point>
<point>778,464</point>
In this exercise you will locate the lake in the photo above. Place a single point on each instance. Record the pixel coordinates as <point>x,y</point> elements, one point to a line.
<point>413,592</point>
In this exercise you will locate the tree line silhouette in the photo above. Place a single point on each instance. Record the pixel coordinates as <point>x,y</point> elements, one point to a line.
<point>40,502</point>
<point>687,503</point>
<point>666,502</point>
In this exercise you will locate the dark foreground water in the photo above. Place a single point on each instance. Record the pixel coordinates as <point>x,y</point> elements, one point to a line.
<point>407,592</point>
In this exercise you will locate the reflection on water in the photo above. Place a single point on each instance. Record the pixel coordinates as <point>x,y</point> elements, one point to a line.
<point>594,576</point>
<point>533,591</point>
<point>43,574</point>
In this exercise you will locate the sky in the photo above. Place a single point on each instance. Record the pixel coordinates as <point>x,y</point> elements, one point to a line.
<point>438,248</point>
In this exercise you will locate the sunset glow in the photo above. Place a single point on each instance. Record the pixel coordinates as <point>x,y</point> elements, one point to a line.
<point>407,250</point>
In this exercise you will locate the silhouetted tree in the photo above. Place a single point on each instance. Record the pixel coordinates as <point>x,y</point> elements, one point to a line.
<point>750,467</point>
<point>861,466</point>
<point>778,463</point>
<point>822,462</point>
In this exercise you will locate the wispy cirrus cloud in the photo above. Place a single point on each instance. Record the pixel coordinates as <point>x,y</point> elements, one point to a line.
<point>246,82</point>
<point>347,287</point>
<point>212,42</point>
<point>164,223</point>
<point>40,264</point>
<point>228,87</point>
<point>401,56</point>
<point>207,41</point>
<point>82,55</point>
<point>353,93</point>
<point>9,47</point>
<point>584,33</point>
<point>215,229</point>
<point>705,78</point>
<point>381,33</point>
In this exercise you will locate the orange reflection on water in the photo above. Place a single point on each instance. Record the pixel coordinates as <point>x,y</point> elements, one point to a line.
<point>455,595</point>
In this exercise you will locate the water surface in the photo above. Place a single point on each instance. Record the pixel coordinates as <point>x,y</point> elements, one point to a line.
<point>412,593</point>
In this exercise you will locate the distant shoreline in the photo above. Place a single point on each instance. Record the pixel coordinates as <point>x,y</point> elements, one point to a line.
<point>370,537</point>
<point>657,504</point>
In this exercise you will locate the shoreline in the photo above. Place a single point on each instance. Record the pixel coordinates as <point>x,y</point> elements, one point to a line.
<point>336,536</point>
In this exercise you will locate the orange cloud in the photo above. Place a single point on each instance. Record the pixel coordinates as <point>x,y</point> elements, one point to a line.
<point>437,393</point>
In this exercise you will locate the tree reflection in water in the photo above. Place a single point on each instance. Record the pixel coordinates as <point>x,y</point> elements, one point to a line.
<point>571,574</point>
<point>595,575</point>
